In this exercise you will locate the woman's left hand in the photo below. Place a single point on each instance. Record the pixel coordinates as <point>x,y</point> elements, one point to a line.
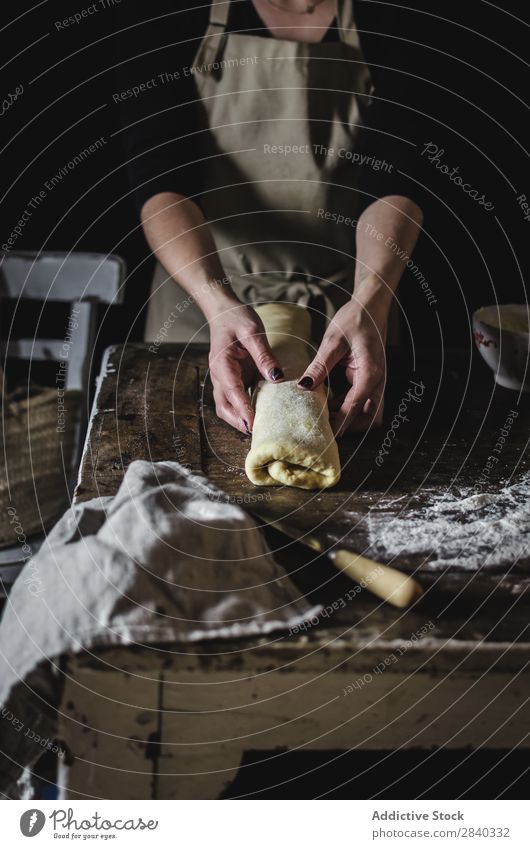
<point>354,341</point>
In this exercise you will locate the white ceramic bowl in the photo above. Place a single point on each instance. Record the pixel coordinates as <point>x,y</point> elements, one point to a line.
<point>502,336</point>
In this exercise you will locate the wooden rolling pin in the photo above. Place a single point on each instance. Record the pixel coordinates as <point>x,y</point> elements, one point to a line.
<point>383,581</point>
<point>386,583</point>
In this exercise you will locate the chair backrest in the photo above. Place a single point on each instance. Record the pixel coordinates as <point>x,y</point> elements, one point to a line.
<point>80,279</point>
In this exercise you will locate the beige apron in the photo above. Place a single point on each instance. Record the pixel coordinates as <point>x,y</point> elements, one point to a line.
<point>281,120</point>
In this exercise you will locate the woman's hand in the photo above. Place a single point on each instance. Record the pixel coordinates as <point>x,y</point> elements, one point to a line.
<point>355,339</point>
<point>239,353</point>
<point>180,236</point>
<point>355,342</point>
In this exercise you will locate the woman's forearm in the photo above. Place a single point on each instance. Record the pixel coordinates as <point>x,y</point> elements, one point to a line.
<point>387,232</point>
<point>180,237</point>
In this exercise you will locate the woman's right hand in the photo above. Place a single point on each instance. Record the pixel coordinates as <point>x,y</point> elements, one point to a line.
<point>180,236</point>
<point>239,354</point>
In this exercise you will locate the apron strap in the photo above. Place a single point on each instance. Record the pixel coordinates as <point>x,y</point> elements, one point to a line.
<point>346,23</point>
<point>219,11</point>
<point>216,35</point>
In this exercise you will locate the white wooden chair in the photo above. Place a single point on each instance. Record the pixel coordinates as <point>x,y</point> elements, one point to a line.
<point>82,280</point>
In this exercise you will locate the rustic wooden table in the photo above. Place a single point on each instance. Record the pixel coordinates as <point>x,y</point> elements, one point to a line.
<point>450,672</point>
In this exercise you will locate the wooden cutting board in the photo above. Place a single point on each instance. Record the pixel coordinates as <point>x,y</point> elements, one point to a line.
<point>156,404</point>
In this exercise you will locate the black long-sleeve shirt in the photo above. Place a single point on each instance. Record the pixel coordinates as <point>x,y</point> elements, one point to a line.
<point>155,94</point>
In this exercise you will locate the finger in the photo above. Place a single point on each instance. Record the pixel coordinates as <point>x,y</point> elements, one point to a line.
<point>238,401</point>
<point>260,351</point>
<point>228,385</point>
<point>349,409</point>
<point>360,423</point>
<point>330,352</point>
<point>353,416</point>
<point>225,409</point>
<point>374,408</point>
<point>227,413</point>
<point>355,399</point>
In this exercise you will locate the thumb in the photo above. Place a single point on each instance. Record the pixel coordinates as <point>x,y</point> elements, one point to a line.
<point>260,351</point>
<point>327,356</point>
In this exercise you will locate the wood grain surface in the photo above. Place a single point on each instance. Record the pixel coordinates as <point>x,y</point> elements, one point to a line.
<point>157,405</point>
<point>145,722</point>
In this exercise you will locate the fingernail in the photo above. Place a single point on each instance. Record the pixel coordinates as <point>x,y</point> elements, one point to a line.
<point>247,427</point>
<point>306,383</point>
<point>276,373</point>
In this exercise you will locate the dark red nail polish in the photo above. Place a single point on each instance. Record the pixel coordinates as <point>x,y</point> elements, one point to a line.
<point>276,374</point>
<point>306,383</point>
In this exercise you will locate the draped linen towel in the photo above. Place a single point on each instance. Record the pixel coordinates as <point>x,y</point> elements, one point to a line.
<point>169,558</point>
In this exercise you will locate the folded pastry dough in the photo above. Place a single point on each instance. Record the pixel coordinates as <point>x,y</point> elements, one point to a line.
<point>292,440</point>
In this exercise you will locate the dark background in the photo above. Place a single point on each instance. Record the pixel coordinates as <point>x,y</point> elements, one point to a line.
<point>463,66</point>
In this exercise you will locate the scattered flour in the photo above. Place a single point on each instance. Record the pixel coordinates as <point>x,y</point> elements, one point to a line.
<point>469,531</point>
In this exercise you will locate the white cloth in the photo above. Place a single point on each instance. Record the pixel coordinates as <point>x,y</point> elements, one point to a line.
<point>169,558</point>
